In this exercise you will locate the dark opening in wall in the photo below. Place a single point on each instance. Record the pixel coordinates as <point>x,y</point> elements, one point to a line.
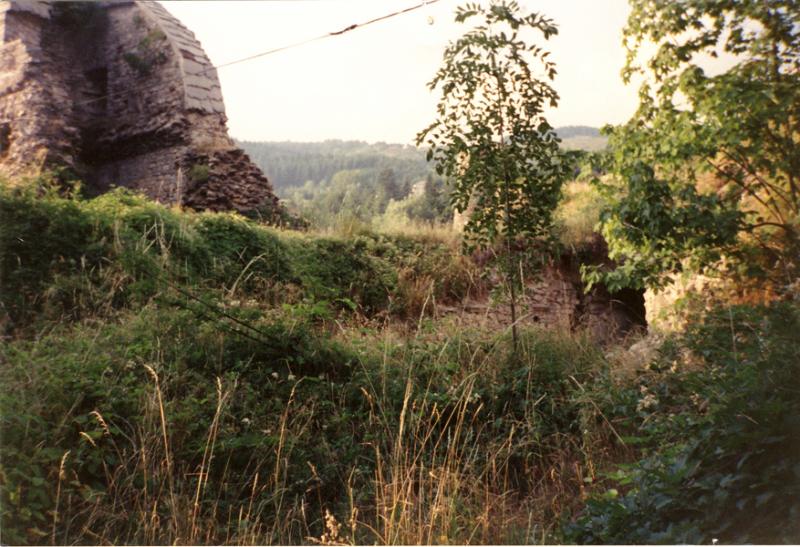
<point>97,93</point>
<point>631,303</point>
<point>5,138</point>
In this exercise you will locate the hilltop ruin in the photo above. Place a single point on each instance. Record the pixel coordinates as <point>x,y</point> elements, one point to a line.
<point>121,94</point>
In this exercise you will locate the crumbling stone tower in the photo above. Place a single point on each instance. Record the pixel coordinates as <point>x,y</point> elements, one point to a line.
<point>122,94</point>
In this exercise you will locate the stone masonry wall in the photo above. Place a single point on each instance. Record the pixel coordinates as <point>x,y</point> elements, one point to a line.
<point>557,298</point>
<point>35,107</point>
<point>122,94</point>
<point>205,179</point>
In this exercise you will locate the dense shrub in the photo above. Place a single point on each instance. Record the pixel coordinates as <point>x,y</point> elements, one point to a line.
<point>75,258</point>
<point>241,251</point>
<point>724,441</point>
<point>39,237</point>
<point>344,273</point>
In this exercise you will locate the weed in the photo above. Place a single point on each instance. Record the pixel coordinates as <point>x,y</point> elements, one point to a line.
<point>172,377</point>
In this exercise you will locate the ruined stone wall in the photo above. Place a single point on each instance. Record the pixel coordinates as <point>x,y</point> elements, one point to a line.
<point>139,137</point>
<point>552,299</point>
<point>123,94</point>
<point>35,106</point>
<point>557,298</point>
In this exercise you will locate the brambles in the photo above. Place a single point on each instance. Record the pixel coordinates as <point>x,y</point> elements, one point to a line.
<point>77,257</point>
<point>231,380</point>
<point>718,440</point>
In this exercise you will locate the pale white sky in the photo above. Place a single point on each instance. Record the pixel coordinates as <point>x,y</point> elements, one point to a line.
<point>370,84</point>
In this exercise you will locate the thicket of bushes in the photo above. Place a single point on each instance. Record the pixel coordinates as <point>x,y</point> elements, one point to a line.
<point>716,421</point>
<point>174,377</point>
<point>72,257</point>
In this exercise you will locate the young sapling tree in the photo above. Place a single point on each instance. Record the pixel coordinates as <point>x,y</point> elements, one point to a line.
<point>491,137</point>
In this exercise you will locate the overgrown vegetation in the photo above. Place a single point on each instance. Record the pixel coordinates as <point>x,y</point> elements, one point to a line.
<point>197,378</point>
<point>160,428</point>
<point>707,167</point>
<point>173,377</point>
<point>716,419</point>
<point>73,258</point>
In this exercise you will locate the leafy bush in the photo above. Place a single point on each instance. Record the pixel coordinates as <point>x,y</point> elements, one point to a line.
<point>729,469</point>
<point>344,272</point>
<point>238,250</point>
<point>72,258</point>
<point>39,237</point>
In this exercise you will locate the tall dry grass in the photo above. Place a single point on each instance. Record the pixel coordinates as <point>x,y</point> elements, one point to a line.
<point>151,498</point>
<point>578,215</point>
<point>440,474</point>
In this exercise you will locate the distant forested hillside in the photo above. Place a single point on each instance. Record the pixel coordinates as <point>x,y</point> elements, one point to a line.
<point>337,181</point>
<point>568,131</point>
<point>333,180</point>
<point>289,164</point>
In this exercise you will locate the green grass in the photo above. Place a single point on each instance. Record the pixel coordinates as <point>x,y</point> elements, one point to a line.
<point>109,425</point>
<point>175,377</point>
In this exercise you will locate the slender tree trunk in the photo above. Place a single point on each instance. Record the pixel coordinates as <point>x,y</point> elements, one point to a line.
<point>509,269</point>
<point>514,336</point>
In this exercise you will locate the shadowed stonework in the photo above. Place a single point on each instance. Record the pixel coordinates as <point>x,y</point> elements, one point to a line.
<point>122,94</point>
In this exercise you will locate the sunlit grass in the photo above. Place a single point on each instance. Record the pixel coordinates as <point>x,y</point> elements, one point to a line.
<point>578,214</point>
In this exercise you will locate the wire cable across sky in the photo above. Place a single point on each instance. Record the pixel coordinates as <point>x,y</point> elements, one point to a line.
<point>272,51</point>
<point>327,35</point>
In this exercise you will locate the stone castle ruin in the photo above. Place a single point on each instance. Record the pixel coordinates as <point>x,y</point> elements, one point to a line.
<point>121,94</point>
<point>556,297</point>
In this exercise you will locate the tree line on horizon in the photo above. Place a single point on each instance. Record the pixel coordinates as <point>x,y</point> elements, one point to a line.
<point>336,179</point>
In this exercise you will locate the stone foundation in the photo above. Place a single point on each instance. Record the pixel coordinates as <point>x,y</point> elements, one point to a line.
<point>558,299</point>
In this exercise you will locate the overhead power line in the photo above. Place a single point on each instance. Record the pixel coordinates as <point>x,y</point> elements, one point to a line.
<point>327,35</point>
<point>158,85</point>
